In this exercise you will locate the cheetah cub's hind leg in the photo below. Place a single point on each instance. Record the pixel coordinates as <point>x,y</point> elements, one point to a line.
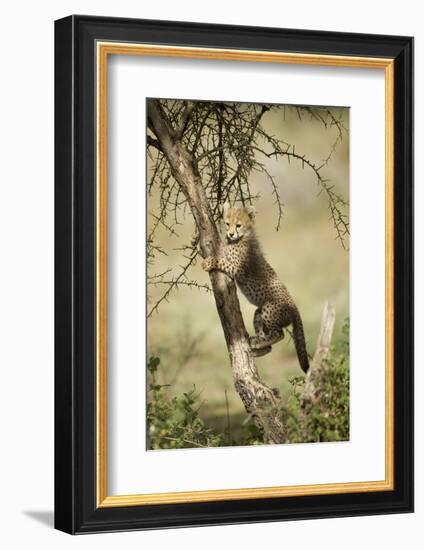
<point>261,342</point>
<point>260,352</point>
<point>260,336</point>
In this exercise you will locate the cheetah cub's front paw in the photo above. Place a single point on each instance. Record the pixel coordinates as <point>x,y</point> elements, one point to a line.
<point>207,264</point>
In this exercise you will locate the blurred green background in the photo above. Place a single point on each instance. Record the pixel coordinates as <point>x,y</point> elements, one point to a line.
<point>186,333</point>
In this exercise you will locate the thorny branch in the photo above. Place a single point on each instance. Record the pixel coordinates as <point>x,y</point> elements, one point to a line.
<point>229,141</point>
<point>172,283</point>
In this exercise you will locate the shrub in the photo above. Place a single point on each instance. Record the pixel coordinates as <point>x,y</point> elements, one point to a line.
<point>174,422</point>
<point>328,419</point>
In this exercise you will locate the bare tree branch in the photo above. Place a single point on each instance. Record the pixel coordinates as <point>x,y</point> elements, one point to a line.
<point>189,106</point>
<point>153,143</point>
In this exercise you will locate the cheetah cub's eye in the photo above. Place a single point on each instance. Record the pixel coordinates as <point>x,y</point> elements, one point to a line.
<point>238,225</point>
<point>227,224</point>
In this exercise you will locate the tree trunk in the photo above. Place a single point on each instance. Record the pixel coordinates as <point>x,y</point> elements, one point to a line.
<point>259,400</point>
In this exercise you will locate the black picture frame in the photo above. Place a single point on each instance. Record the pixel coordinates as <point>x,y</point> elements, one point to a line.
<point>76,510</point>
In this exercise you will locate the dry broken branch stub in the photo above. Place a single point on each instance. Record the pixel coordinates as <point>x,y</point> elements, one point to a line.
<point>310,392</point>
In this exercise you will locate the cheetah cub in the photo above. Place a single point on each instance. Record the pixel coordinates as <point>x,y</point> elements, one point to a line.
<point>243,260</point>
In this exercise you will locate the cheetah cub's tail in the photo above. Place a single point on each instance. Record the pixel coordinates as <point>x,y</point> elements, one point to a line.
<point>299,342</point>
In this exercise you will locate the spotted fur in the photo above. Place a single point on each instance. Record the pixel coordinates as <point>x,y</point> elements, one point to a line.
<point>243,260</point>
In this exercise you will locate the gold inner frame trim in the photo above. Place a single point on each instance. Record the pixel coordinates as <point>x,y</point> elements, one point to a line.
<point>104,49</point>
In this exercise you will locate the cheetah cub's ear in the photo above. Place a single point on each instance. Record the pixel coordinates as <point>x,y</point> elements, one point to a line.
<point>226,207</point>
<point>251,211</point>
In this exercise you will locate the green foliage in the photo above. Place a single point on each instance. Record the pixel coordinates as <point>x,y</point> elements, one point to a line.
<point>174,422</point>
<point>328,419</point>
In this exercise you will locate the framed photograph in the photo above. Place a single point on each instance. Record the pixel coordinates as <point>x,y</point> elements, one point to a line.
<point>234,274</point>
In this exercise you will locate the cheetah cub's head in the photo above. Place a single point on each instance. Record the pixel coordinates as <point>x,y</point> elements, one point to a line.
<point>239,222</point>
